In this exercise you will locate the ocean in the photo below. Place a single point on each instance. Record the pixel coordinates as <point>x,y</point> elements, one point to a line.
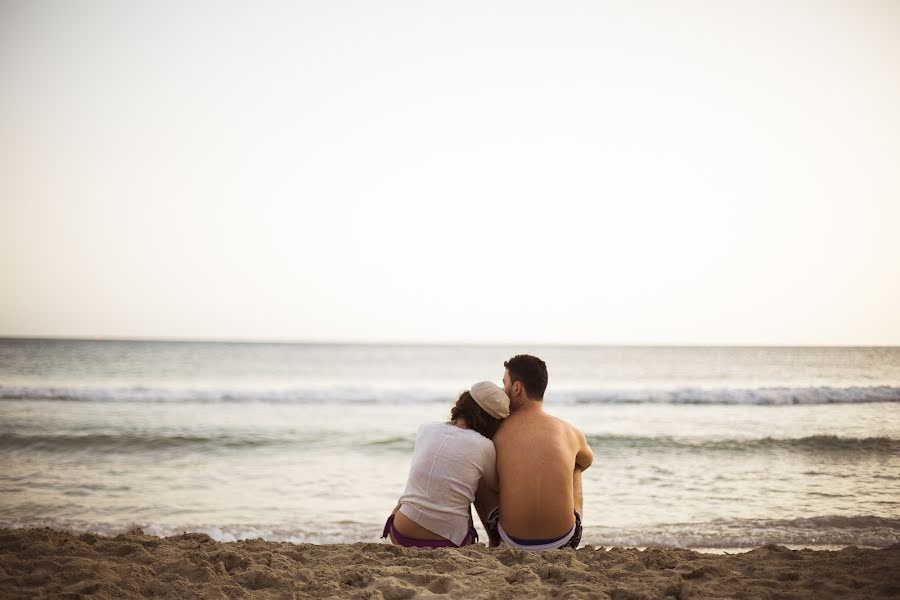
<point>708,448</point>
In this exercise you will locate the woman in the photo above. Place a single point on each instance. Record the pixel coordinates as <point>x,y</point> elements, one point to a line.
<point>449,463</point>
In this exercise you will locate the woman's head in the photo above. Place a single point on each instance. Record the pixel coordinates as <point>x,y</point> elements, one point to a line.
<point>482,407</point>
<point>475,416</point>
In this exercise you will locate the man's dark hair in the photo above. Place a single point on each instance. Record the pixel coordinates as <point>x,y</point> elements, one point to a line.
<point>476,418</point>
<point>530,371</point>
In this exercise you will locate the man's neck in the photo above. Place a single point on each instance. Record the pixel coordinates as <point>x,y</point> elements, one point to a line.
<point>530,406</point>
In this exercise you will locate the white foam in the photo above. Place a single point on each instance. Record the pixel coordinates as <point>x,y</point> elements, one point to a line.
<point>419,394</point>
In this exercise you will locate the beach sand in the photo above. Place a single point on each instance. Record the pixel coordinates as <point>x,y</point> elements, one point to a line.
<point>50,563</point>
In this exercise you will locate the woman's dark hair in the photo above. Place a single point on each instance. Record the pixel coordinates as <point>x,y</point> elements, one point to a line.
<point>476,419</point>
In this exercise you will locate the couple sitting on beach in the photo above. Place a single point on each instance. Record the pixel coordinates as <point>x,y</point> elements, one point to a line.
<point>520,467</point>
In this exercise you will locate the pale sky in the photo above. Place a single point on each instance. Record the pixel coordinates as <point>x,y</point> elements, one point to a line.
<point>563,172</point>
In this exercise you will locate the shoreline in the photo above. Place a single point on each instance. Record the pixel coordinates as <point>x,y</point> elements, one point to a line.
<point>46,561</point>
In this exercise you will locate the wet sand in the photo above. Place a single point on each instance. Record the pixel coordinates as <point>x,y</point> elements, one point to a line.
<point>50,563</point>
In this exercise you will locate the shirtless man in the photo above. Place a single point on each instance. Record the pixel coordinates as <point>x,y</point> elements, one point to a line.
<point>539,462</point>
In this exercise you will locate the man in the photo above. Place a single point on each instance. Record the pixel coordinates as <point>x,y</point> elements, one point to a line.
<point>539,463</point>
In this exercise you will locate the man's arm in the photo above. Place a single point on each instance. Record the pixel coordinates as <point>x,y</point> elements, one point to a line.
<point>577,494</point>
<point>583,459</point>
<point>585,456</point>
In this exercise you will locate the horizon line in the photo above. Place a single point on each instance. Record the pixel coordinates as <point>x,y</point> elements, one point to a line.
<point>349,342</point>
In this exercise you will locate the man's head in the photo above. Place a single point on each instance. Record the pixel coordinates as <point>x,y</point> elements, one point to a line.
<point>525,379</point>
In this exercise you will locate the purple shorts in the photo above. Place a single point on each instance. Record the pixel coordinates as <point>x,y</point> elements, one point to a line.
<point>409,542</point>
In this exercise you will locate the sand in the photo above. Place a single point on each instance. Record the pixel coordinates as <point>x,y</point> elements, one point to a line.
<point>50,563</point>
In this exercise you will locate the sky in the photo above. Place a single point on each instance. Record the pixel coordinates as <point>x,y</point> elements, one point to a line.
<point>641,172</point>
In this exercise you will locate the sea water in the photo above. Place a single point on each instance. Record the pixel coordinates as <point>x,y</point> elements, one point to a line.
<point>709,448</point>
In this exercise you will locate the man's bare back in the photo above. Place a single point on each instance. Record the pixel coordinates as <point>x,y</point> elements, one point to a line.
<point>539,462</point>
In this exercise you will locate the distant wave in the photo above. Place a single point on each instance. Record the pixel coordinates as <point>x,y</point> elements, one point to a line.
<point>144,442</point>
<point>136,442</point>
<point>760,395</point>
<point>376,395</point>
<point>312,395</point>
<point>813,443</point>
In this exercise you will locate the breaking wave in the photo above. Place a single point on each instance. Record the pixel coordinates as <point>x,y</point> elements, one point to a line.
<point>376,395</point>
<point>813,443</point>
<point>150,441</point>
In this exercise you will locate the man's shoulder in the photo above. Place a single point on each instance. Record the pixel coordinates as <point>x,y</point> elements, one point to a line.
<point>575,434</point>
<point>515,425</point>
<point>562,429</point>
<point>558,422</point>
<point>569,426</point>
